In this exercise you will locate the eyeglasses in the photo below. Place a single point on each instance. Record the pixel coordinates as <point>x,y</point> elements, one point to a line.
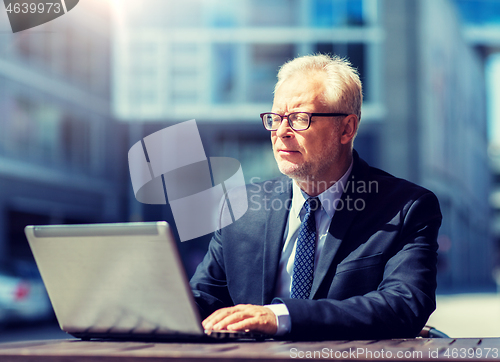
<point>298,121</point>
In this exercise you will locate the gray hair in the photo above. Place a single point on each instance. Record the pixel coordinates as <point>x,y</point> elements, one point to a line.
<point>343,89</point>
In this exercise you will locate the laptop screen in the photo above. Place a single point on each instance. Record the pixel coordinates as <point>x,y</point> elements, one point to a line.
<point>115,278</point>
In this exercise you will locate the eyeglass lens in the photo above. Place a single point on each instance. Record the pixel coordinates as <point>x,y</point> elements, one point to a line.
<point>297,120</point>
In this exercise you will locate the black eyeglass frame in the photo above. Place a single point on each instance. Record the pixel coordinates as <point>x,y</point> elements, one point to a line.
<point>309,118</point>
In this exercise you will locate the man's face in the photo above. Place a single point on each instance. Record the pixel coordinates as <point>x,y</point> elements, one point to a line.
<point>309,155</point>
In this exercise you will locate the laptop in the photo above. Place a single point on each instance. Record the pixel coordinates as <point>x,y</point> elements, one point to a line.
<point>119,281</point>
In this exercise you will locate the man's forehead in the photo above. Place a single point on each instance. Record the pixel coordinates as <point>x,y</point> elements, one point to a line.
<point>299,90</point>
<point>315,78</point>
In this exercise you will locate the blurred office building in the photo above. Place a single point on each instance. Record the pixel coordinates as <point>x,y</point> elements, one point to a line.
<point>436,106</point>
<point>424,112</point>
<point>482,31</point>
<point>59,145</point>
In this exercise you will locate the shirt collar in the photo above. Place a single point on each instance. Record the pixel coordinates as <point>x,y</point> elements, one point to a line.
<point>329,198</point>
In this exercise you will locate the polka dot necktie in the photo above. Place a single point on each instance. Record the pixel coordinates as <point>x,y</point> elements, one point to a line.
<point>303,266</point>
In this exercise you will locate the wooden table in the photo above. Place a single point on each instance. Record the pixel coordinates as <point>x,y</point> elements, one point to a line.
<point>420,349</point>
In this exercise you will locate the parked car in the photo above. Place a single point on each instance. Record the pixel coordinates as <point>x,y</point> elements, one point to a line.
<point>23,297</point>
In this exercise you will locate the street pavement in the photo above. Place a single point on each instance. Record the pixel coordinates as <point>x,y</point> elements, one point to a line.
<point>467,315</point>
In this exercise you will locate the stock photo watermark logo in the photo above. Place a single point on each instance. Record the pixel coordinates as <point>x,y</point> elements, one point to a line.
<point>26,14</point>
<point>170,166</point>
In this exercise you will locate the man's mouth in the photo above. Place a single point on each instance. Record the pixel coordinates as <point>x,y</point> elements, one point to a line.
<point>286,151</point>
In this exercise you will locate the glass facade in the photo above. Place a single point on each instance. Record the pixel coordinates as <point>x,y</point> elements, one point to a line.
<point>228,59</point>
<point>479,12</point>
<point>60,148</point>
<point>327,14</point>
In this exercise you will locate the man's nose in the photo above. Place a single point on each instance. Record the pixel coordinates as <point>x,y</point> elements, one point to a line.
<point>284,129</point>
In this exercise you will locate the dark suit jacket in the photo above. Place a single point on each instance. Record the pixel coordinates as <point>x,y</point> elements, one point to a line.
<point>376,276</point>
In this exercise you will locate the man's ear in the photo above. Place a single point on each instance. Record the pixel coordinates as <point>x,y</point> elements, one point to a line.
<point>349,128</point>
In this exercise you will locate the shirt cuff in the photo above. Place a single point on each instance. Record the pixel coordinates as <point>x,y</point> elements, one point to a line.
<point>282,318</point>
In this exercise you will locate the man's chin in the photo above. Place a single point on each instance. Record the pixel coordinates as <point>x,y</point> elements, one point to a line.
<point>293,171</point>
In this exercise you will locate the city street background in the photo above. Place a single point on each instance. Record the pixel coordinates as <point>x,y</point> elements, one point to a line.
<point>77,92</point>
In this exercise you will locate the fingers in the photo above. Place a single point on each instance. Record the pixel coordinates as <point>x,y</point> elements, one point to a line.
<point>256,324</point>
<point>243,317</point>
<point>221,318</point>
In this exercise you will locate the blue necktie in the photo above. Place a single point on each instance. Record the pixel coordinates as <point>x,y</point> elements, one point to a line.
<point>303,266</point>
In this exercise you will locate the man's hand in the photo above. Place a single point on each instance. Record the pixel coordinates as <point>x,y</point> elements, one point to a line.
<point>243,317</point>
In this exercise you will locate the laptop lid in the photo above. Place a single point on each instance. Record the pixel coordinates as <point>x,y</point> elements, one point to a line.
<point>115,279</point>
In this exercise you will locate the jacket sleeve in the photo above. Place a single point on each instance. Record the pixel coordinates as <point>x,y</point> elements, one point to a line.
<point>209,283</point>
<point>404,299</point>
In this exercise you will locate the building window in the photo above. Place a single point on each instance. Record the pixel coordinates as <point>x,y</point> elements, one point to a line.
<point>266,60</point>
<point>331,13</point>
<point>274,13</point>
<point>222,13</point>
<point>224,56</point>
<point>75,136</point>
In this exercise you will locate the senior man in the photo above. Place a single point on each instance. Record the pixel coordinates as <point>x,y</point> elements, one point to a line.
<point>335,249</point>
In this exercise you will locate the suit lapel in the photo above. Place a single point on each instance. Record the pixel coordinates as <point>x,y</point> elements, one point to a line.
<point>341,222</point>
<point>273,238</point>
